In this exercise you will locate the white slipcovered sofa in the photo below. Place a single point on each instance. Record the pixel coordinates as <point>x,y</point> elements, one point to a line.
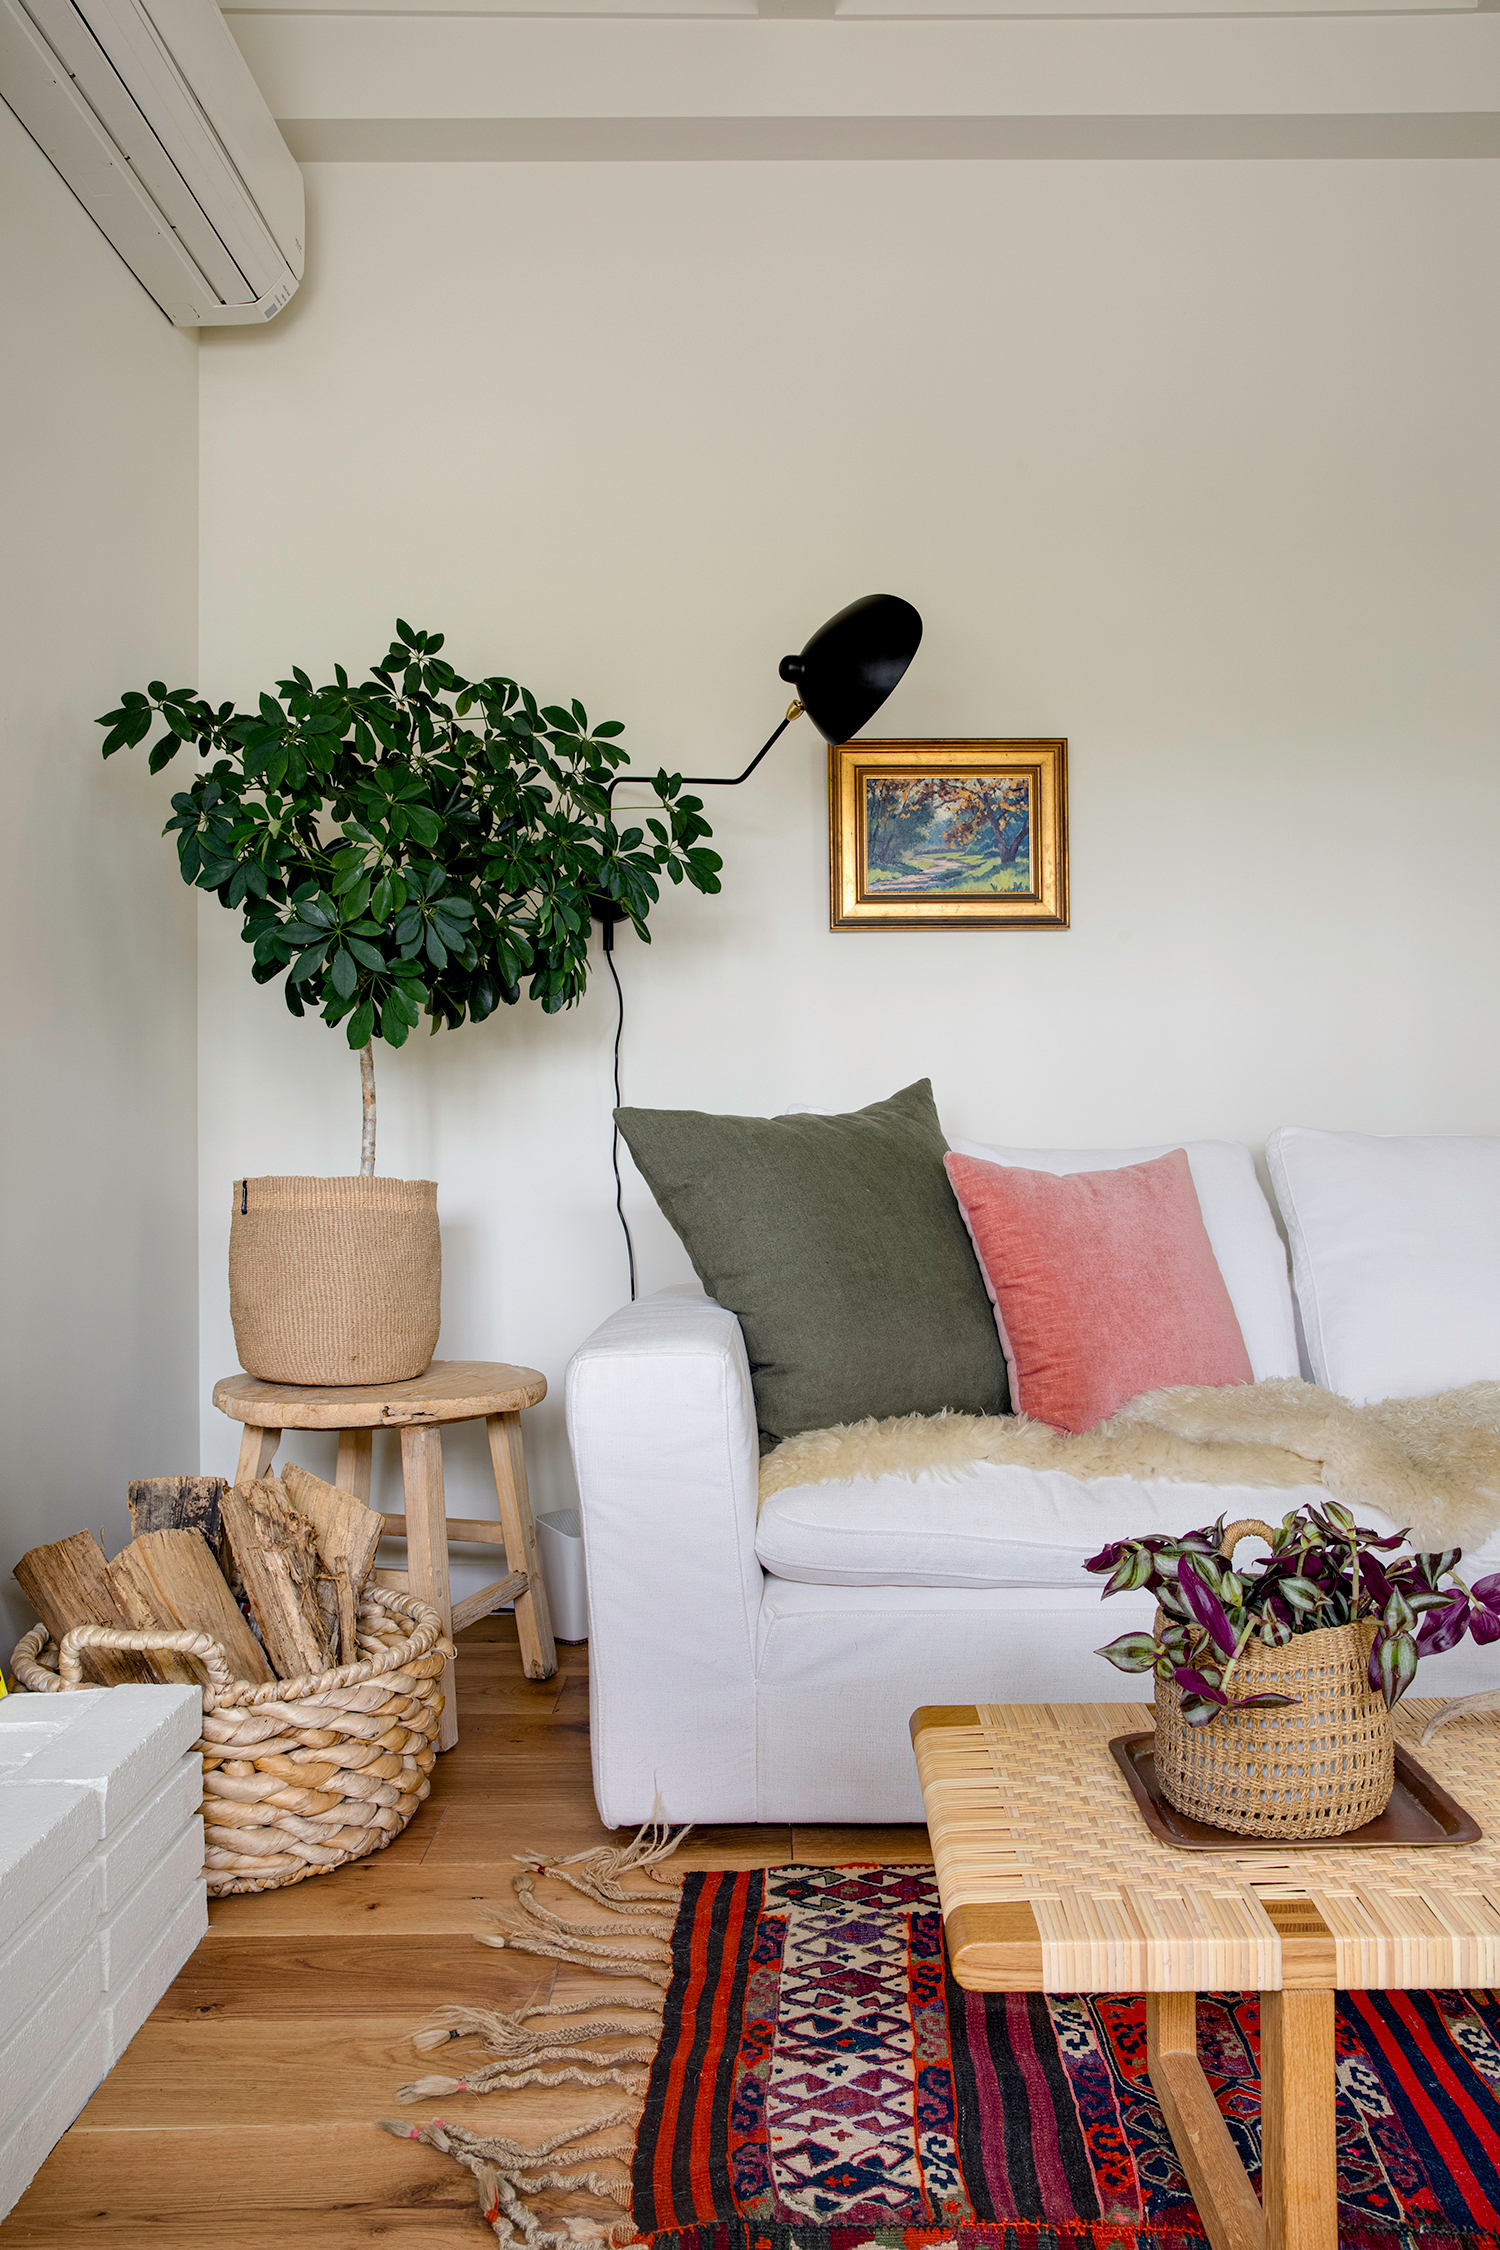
<point>764,1668</point>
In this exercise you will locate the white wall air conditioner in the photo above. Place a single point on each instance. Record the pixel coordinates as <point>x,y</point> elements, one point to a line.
<point>151,115</point>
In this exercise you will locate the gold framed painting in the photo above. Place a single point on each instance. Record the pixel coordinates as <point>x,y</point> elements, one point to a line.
<point>948,835</point>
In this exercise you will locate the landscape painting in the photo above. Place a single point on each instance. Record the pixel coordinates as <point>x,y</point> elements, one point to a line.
<point>968,833</point>
<point>948,834</point>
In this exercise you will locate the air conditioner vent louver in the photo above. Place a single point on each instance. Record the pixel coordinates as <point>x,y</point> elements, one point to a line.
<point>152,117</point>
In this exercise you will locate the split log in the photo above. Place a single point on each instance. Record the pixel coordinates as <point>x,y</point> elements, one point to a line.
<point>170,1579</point>
<point>348,1534</point>
<point>178,1504</point>
<point>137,1601</point>
<point>276,1555</point>
<point>67,1584</point>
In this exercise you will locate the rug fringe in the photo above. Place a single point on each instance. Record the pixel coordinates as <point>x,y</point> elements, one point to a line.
<point>506,2034</point>
<point>530,1905</point>
<point>634,1943</point>
<point>599,1870</point>
<point>503,2078</point>
<point>596,1873</point>
<point>509,2175</point>
<point>623,1960</point>
<point>523,2057</point>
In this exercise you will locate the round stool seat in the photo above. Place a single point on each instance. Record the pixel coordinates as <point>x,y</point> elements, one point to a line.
<point>452,1390</point>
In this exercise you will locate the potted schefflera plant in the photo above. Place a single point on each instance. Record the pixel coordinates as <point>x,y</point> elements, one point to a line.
<point>413,844</point>
<point>1275,1684</point>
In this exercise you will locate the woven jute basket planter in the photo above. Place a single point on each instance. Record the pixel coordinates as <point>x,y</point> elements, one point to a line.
<point>1318,1767</point>
<point>301,1775</point>
<point>337,1280</point>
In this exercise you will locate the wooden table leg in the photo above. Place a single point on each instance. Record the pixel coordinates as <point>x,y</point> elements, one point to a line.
<point>427,1546</point>
<point>1221,2187</point>
<point>257,1452</point>
<point>1299,2156</point>
<point>354,1463</point>
<point>533,1618</point>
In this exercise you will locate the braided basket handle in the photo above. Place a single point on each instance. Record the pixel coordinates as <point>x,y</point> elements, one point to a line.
<point>1248,1527</point>
<point>201,1645</point>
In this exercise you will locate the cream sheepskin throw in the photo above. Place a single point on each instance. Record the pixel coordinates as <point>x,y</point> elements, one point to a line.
<point>1429,1463</point>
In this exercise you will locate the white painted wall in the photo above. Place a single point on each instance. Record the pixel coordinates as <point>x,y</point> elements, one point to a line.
<point>1195,464</point>
<point>98,1318</point>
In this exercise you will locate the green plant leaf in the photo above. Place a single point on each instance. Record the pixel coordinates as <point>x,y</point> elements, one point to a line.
<point>305,964</point>
<point>1132,1652</point>
<point>361,1025</point>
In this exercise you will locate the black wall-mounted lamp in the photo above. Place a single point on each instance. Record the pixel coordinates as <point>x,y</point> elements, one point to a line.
<point>842,677</point>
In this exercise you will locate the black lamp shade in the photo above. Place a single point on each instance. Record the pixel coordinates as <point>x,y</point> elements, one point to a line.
<point>851,664</point>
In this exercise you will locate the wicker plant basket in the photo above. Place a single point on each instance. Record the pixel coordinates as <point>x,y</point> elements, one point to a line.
<point>335,1280</point>
<point>298,1775</point>
<point>1318,1767</point>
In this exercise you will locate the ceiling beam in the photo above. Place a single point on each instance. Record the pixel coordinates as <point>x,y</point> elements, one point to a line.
<point>615,88</point>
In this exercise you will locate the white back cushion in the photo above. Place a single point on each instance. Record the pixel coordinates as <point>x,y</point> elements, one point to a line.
<point>1396,1258</point>
<point>1240,1227</point>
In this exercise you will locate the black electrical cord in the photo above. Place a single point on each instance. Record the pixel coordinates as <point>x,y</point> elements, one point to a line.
<point>608,920</point>
<point>609,955</point>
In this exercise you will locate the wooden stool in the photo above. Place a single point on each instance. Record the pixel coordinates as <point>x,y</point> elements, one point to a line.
<point>452,1390</point>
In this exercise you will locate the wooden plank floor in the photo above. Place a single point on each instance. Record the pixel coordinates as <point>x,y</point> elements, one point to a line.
<point>243,2115</point>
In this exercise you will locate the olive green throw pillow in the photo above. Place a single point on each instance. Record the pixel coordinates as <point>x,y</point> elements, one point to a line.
<point>840,1246</point>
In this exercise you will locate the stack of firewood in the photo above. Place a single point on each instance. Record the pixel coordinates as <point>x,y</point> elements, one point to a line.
<point>272,1571</point>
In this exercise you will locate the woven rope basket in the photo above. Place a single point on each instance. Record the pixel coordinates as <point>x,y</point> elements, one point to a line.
<point>1319,1767</point>
<point>298,1775</point>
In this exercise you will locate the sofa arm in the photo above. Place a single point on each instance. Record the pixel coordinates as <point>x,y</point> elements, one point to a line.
<point>661,1420</point>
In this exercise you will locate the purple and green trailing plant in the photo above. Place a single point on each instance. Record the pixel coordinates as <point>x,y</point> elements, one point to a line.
<point>1323,1569</point>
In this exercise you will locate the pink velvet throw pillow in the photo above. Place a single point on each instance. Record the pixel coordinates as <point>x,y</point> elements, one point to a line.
<point>1104,1284</point>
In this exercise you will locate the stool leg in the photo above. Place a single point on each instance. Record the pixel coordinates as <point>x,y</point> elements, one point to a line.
<point>353,1471</point>
<point>533,1618</point>
<point>257,1452</point>
<point>427,1546</point>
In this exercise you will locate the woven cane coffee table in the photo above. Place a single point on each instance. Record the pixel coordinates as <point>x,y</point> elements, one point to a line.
<point>1051,1882</point>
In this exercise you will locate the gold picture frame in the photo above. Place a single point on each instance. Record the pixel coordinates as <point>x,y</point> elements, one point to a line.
<point>984,821</point>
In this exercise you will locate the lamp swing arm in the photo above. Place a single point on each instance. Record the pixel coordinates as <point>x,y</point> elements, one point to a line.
<point>719,780</point>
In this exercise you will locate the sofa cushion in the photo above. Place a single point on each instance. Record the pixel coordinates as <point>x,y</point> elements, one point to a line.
<point>1004,1526</point>
<point>1104,1284</point>
<point>1396,1258</point>
<point>837,1243</point>
<point>1241,1230</point>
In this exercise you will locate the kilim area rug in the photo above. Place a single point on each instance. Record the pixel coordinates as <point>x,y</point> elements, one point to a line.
<point>819,2082</point>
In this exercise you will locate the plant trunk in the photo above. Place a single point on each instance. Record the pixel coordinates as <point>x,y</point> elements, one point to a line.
<point>367,1088</point>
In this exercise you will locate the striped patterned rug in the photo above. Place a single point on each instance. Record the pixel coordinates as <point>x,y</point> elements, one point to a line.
<point>821,2083</point>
